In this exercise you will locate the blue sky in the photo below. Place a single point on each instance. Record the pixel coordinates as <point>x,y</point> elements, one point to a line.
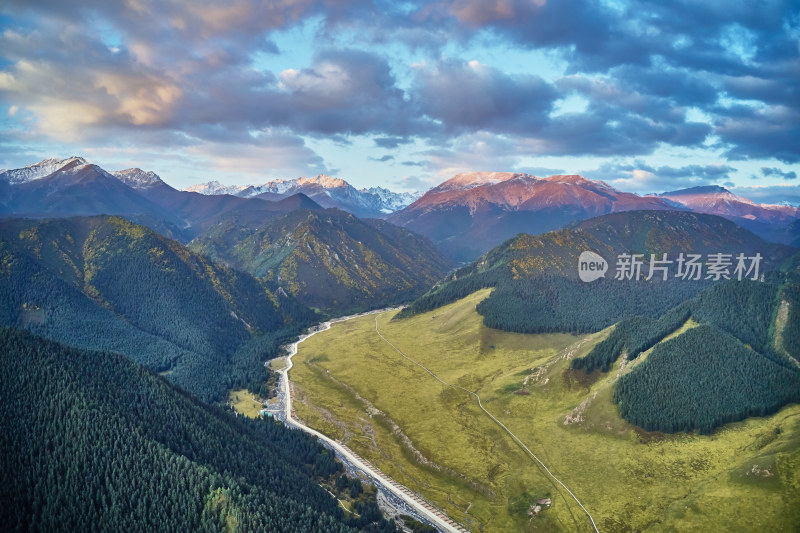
<point>648,96</point>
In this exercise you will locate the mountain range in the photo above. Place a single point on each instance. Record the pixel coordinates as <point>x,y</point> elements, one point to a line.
<point>130,311</point>
<point>537,287</point>
<point>776,223</point>
<point>327,258</point>
<point>105,283</point>
<point>472,212</point>
<point>325,190</point>
<point>465,216</point>
<point>330,259</point>
<point>729,345</point>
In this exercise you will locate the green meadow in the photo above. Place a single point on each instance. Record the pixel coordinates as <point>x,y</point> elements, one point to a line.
<point>353,386</point>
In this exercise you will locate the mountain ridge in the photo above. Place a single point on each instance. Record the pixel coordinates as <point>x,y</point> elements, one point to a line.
<point>106,283</point>
<point>326,190</point>
<point>474,211</point>
<point>536,279</point>
<point>327,258</point>
<point>466,218</point>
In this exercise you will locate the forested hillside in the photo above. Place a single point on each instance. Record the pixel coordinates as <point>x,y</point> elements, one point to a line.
<point>104,283</point>
<point>327,259</point>
<point>536,282</point>
<point>91,441</point>
<point>702,379</point>
<point>725,369</point>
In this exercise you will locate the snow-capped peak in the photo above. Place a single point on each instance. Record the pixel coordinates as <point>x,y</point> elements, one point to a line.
<point>215,187</point>
<point>325,190</point>
<point>137,178</point>
<point>392,201</point>
<point>577,179</point>
<point>470,180</point>
<point>323,180</point>
<point>39,170</point>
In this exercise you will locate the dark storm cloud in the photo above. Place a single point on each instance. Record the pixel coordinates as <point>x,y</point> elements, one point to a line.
<point>771,171</point>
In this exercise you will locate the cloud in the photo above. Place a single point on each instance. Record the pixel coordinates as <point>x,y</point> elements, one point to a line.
<point>390,142</point>
<point>770,194</point>
<point>749,132</point>
<point>787,175</point>
<point>345,92</point>
<point>382,159</point>
<point>80,84</point>
<point>639,176</point>
<point>468,96</point>
<point>480,151</point>
<point>415,183</point>
<point>266,155</point>
<point>676,86</point>
<point>607,131</point>
<point>712,75</point>
<point>586,28</point>
<point>542,172</point>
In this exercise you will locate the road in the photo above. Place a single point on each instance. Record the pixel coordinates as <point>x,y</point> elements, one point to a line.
<point>397,495</point>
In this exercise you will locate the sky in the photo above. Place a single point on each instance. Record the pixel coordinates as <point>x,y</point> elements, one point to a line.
<point>648,96</point>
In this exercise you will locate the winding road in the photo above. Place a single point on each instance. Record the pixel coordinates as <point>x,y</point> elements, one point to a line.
<point>437,518</point>
<point>442,521</point>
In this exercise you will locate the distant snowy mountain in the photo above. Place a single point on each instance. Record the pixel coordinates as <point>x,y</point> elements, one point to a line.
<point>717,200</point>
<point>474,211</point>
<point>39,170</point>
<point>326,190</point>
<point>212,188</point>
<point>777,223</point>
<point>70,187</point>
<point>393,201</point>
<point>137,178</point>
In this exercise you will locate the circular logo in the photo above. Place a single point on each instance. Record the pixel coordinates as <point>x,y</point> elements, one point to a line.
<point>591,266</point>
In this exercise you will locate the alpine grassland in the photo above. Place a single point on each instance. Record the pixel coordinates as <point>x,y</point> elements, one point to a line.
<point>432,437</point>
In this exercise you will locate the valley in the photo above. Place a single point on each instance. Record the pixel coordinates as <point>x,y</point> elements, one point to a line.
<point>400,267</point>
<point>395,495</point>
<point>353,386</point>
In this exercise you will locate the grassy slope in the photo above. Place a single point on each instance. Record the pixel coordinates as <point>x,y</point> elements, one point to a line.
<point>244,402</point>
<point>628,480</point>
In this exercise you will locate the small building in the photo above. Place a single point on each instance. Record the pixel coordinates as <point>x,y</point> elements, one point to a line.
<point>543,501</point>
